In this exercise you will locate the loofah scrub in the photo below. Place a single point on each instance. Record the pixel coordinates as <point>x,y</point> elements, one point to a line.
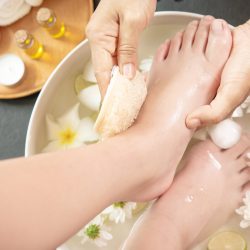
<point>121,104</point>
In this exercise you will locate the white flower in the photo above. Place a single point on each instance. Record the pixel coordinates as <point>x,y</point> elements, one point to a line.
<point>244,211</point>
<point>90,97</point>
<point>146,64</point>
<point>69,131</point>
<point>88,73</point>
<point>119,211</point>
<point>95,232</point>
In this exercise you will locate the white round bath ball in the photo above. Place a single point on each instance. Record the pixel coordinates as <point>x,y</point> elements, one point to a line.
<point>225,134</point>
<point>11,69</point>
<point>34,2</point>
<point>91,97</point>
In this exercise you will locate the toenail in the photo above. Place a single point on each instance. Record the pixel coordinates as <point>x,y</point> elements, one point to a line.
<point>217,26</point>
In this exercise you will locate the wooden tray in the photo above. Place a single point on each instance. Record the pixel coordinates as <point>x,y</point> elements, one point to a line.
<point>74,13</point>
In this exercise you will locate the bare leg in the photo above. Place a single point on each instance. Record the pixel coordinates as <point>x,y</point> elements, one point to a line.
<point>45,199</point>
<point>202,198</point>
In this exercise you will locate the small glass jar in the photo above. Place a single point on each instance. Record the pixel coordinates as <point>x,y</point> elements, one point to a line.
<point>47,19</point>
<point>29,44</point>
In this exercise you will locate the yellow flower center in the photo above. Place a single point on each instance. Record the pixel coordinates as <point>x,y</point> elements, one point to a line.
<point>67,136</point>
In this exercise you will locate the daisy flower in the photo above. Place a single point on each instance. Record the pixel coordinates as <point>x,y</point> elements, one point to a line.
<point>69,131</point>
<point>119,211</point>
<point>244,211</point>
<point>95,232</point>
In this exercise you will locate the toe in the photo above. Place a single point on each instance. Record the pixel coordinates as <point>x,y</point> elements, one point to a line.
<point>219,40</point>
<point>246,187</point>
<point>245,175</point>
<point>162,51</point>
<point>241,164</point>
<point>201,36</point>
<point>240,148</point>
<point>189,35</point>
<point>175,44</point>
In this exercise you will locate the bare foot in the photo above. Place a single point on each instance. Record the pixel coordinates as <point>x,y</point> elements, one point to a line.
<point>202,198</point>
<point>235,73</point>
<point>185,75</point>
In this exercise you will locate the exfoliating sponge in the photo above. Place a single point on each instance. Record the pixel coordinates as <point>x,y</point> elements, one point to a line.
<point>122,103</point>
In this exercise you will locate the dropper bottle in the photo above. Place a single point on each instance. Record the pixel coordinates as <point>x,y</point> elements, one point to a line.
<point>29,44</point>
<point>47,19</point>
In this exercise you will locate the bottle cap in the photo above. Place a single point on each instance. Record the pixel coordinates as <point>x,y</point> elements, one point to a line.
<point>23,38</point>
<point>45,16</point>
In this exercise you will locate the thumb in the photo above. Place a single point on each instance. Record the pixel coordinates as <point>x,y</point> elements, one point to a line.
<point>127,49</point>
<point>103,63</point>
<point>220,108</point>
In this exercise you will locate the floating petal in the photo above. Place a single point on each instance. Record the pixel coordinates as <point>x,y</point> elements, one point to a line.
<point>88,73</point>
<point>146,65</point>
<point>86,131</point>
<point>238,112</point>
<point>53,146</point>
<point>70,119</point>
<point>91,97</point>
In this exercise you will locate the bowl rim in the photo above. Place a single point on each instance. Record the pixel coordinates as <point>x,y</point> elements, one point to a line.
<point>72,52</point>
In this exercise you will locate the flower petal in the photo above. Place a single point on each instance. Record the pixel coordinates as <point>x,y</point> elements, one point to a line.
<point>238,112</point>
<point>53,146</point>
<point>105,235</point>
<point>100,242</point>
<point>86,132</point>
<point>70,118</point>
<point>75,144</point>
<point>52,128</point>
<point>146,64</point>
<point>90,97</point>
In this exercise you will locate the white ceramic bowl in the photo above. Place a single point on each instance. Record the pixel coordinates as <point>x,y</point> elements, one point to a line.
<point>58,94</point>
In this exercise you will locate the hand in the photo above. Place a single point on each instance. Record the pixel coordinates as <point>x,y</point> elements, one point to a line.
<point>235,83</point>
<point>113,33</point>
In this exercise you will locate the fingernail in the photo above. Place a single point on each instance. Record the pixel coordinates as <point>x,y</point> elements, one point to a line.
<point>217,26</point>
<point>128,70</point>
<point>194,123</point>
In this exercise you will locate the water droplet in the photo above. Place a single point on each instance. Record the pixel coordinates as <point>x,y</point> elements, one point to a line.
<point>189,198</point>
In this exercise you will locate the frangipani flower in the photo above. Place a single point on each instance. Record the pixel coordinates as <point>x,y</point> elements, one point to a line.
<point>95,232</point>
<point>90,97</point>
<point>119,211</point>
<point>244,211</point>
<point>69,131</point>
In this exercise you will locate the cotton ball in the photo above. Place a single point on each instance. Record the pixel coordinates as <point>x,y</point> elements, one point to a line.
<point>91,97</point>
<point>34,2</point>
<point>225,134</point>
<point>88,73</point>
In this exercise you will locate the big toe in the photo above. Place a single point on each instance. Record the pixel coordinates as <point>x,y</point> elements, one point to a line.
<point>219,42</point>
<point>201,36</point>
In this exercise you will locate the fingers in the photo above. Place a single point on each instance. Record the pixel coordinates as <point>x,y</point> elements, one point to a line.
<point>127,47</point>
<point>103,63</point>
<point>221,107</point>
